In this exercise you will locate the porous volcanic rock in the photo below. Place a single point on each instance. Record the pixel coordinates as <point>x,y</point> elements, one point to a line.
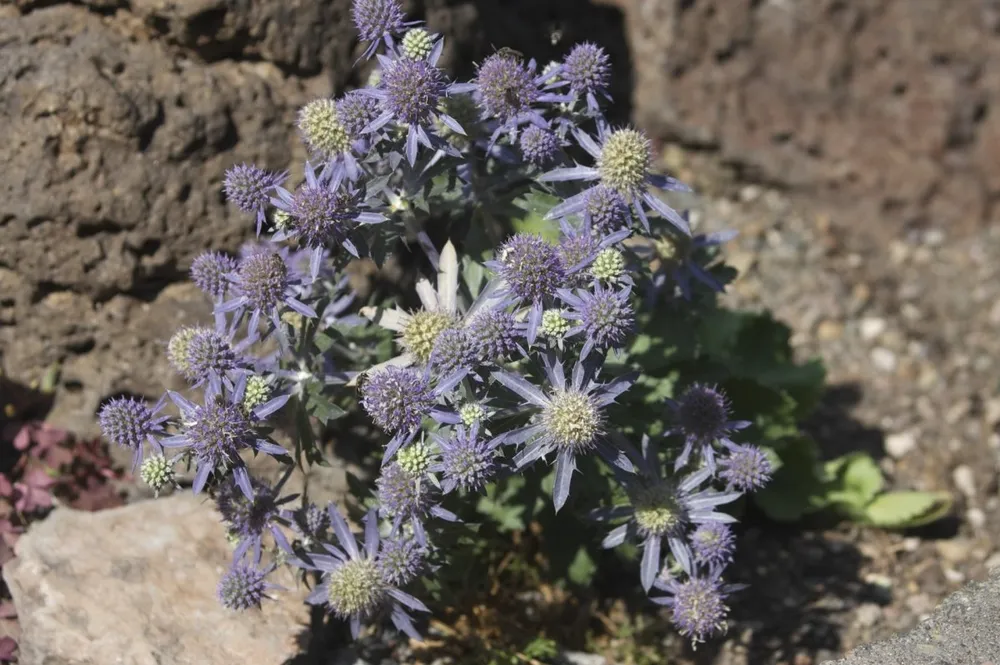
<point>136,586</point>
<point>892,104</point>
<point>113,161</point>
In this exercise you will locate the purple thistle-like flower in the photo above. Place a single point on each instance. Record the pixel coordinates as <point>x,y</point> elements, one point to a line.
<point>623,160</point>
<point>468,461</point>
<point>250,187</point>
<point>570,420</point>
<point>413,89</point>
<point>220,429</point>
<point>698,607</point>
<point>401,560</point>
<point>322,212</point>
<point>356,111</point>
<point>129,423</point>
<point>397,398</point>
<point>713,544</point>
<point>539,146</point>
<point>662,508</point>
<point>587,69</point>
<point>410,94</point>
<point>309,521</point>
<point>702,418</point>
<point>210,273</point>
<point>243,587</point>
<point>680,261</point>
<point>530,266</point>
<point>402,494</point>
<point>746,468</point>
<point>495,334</point>
<point>507,87</point>
<point>264,284</point>
<point>353,586</point>
<point>576,250</point>
<point>606,210</point>
<point>209,356</point>
<point>378,21</point>
<point>454,349</point>
<point>248,518</point>
<point>604,316</point>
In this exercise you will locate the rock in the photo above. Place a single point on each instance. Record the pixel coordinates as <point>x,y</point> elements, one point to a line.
<point>580,658</point>
<point>114,182</point>
<point>871,327</point>
<point>965,628</point>
<point>976,518</point>
<point>856,103</point>
<point>828,330</point>
<point>899,444</point>
<point>883,359</point>
<point>964,480</point>
<point>136,586</point>
<point>867,615</point>
<point>954,551</point>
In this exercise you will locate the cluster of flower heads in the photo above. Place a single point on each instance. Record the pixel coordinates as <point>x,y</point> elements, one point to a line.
<point>530,344</point>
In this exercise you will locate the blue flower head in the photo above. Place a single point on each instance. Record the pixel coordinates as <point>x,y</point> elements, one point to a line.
<point>745,467</point>
<point>587,69</point>
<point>468,460</point>
<point>569,421</point>
<point>603,316</point>
<point>217,432</point>
<point>495,335</point>
<point>397,398</point>
<point>539,146</point>
<point>701,416</point>
<point>401,560</point>
<point>211,272</point>
<point>243,587</point>
<point>663,508</point>
<point>378,21</point>
<point>713,544</point>
<point>129,423</point>
<point>249,518</point>
<point>507,89</point>
<point>250,187</point>
<point>623,161</point>
<point>697,604</point>
<point>265,285</point>
<point>354,586</point>
<point>410,94</point>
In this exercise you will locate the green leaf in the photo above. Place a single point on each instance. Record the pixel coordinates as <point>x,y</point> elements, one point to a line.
<point>535,205</point>
<point>581,570</point>
<point>859,476</point>
<point>796,487</point>
<point>907,509</point>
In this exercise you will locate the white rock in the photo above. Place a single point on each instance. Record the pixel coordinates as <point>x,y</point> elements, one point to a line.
<point>899,444</point>
<point>136,586</point>
<point>976,518</point>
<point>867,615</point>
<point>883,359</point>
<point>964,480</point>
<point>871,327</point>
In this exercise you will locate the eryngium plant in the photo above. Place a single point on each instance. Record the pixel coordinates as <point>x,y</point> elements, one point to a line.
<point>514,360</point>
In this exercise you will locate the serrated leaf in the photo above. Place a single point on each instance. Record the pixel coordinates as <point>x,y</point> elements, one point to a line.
<point>581,570</point>
<point>857,475</point>
<point>907,509</point>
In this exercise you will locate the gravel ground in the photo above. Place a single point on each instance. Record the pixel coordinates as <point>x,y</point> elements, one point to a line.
<point>904,327</point>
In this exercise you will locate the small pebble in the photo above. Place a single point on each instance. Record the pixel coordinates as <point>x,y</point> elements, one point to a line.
<point>911,544</point>
<point>993,561</point>
<point>883,359</point>
<point>954,550</point>
<point>828,331</point>
<point>871,327</point>
<point>964,480</point>
<point>976,518</point>
<point>953,576</point>
<point>898,445</point>
<point>868,615</point>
